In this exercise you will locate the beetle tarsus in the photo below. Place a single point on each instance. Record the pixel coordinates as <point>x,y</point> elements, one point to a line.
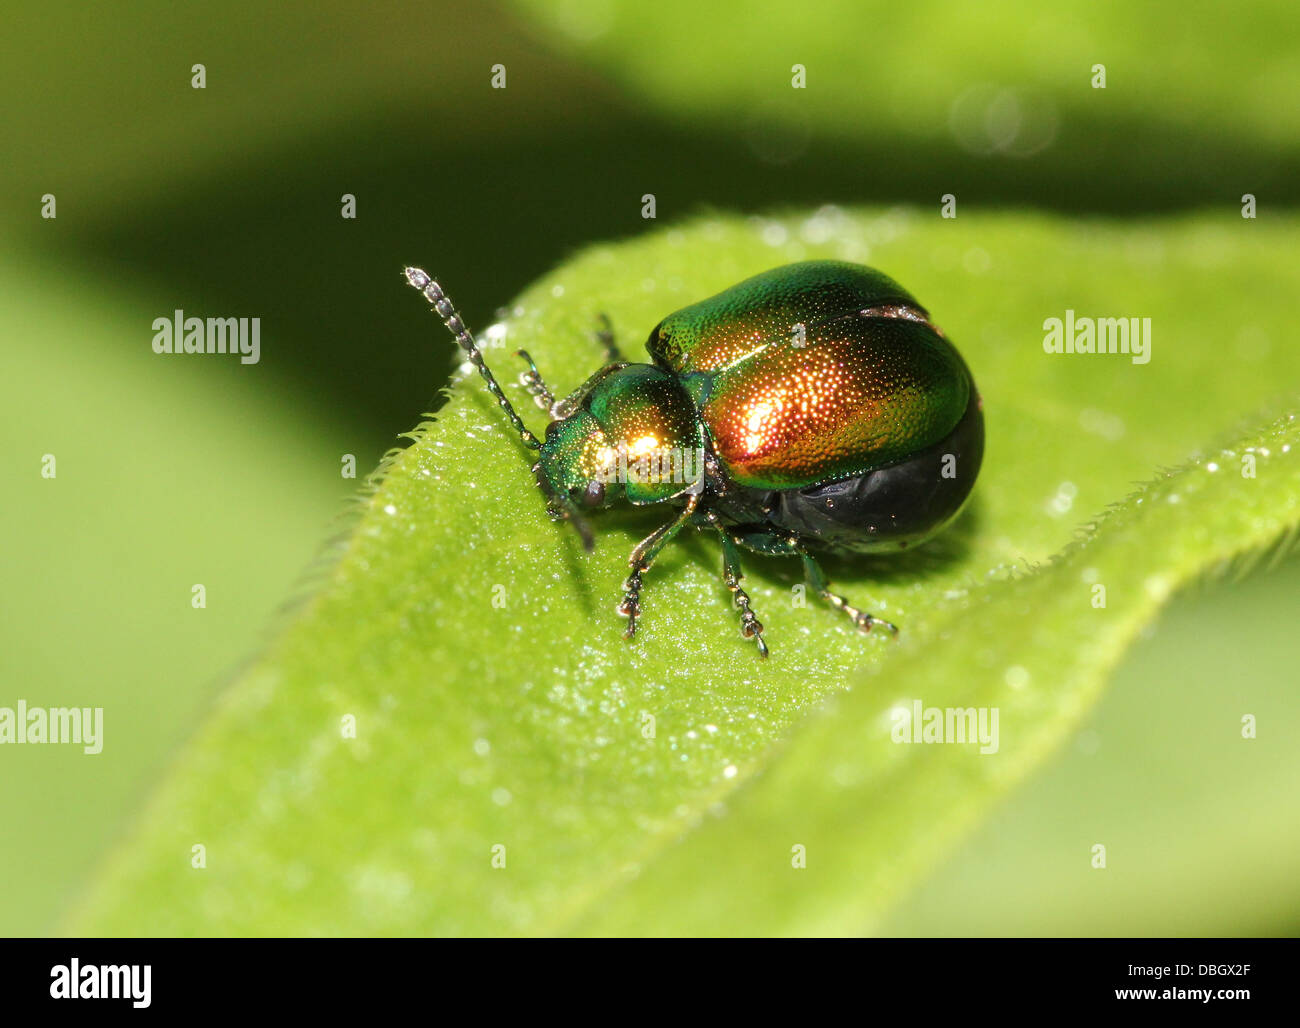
<point>817,582</point>
<point>643,556</point>
<point>630,608</point>
<point>866,622</point>
<point>750,626</point>
<point>533,382</point>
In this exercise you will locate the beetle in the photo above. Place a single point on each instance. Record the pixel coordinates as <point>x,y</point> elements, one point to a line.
<point>813,407</point>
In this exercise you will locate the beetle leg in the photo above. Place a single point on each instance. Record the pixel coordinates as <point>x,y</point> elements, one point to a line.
<point>786,546</point>
<point>532,381</point>
<point>817,580</point>
<point>750,626</point>
<point>643,556</point>
<point>605,336</point>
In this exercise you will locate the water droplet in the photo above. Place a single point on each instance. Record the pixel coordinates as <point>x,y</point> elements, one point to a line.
<point>1016,677</point>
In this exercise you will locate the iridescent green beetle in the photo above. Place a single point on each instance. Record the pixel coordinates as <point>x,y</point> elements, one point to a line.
<point>813,406</point>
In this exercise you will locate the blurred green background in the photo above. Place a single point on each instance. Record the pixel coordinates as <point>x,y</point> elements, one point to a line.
<point>226,201</point>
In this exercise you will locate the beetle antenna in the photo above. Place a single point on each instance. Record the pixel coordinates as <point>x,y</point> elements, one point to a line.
<point>559,504</point>
<point>442,306</point>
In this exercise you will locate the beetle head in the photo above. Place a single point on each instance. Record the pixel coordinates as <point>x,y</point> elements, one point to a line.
<point>578,463</point>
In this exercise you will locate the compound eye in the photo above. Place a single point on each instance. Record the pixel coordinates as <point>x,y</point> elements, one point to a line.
<point>594,495</point>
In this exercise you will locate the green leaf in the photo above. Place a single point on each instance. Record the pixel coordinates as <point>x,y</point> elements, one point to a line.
<point>1196,811</point>
<point>149,497</point>
<point>1035,649</point>
<point>496,703</point>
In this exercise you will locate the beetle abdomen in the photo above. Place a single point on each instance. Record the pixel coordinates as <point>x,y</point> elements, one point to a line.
<point>892,507</point>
